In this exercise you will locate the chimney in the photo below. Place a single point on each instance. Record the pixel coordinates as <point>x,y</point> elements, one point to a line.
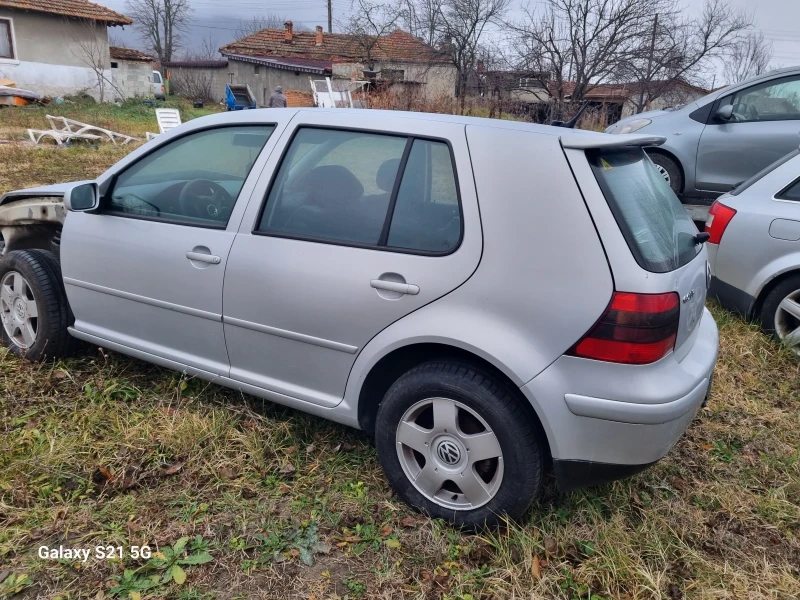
<point>319,35</point>
<point>288,33</point>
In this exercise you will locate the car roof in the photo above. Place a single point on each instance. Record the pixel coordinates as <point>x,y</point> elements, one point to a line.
<point>571,138</point>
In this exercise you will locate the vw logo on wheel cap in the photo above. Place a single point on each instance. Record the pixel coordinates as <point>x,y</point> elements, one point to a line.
<point>448,452</point>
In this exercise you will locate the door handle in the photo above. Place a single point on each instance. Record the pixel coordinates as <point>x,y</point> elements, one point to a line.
<point>205,258</point>
<point>394,286</point>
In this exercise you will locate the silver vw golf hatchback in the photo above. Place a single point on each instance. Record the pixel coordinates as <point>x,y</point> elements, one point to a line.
<point>489,299</point>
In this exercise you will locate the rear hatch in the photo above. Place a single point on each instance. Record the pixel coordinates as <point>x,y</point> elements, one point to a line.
<point>647,223</point>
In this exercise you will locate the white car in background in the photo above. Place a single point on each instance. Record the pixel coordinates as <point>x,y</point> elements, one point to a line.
<point>159,91</point>
<point>754,249</point>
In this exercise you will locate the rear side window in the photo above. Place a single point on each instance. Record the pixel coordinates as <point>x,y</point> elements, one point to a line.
<point>658,230</point>
<point>365,189</point>
<point>791,193</point>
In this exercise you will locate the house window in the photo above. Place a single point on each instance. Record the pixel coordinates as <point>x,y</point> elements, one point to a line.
<point>114,65</point>
<point>258,70</point>
<point>529,82</point>
<point>230,77</point>
<point>393,74</point>
<point>6,40</point>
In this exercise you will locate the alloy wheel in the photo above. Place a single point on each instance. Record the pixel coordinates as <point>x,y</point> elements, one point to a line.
<point>663,172</point>
<point>18,310</point>
<point>449,453</point>
<point>787,321</point>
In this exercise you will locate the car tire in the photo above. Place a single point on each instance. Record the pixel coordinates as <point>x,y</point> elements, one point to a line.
<point>670,168</point>
<point>31,280</point>
<point>481,406</point>
<point>776,320</point>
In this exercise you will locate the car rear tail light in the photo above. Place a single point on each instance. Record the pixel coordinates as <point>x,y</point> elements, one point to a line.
<point>719,216</point>
<point>636,329</point>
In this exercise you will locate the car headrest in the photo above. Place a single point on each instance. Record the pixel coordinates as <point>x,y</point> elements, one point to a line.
<point>387,173</point>
<point>332,184</point>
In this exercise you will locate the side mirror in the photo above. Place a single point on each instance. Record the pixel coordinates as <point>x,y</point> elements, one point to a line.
<point>725,113</point>
<point>83,197</point>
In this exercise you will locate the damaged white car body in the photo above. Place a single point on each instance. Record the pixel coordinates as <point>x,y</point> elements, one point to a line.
<point>33,218</point>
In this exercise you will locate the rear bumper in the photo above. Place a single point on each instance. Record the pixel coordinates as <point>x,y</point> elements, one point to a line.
<point>731,297</point>
<point>604,421</point>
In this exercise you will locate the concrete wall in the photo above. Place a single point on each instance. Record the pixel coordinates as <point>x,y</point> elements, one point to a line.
<point>53,54</point>
<point>132,79</point>
<point>263,80</point>
<point>213,79</point>
<point>437,80</point>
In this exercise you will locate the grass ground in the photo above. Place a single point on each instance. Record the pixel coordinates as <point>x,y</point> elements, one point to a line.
<point>245,499</point>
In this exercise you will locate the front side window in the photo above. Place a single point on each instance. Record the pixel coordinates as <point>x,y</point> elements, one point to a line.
<point>194,180</point>
<point>156,77</point>
<point>365,189</point>
<point>772,101</point>
<point>6,43</point>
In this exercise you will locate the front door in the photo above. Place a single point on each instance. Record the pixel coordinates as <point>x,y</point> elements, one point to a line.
<point>764,127</point>
<point>146,272</point>
<point>359,228</point>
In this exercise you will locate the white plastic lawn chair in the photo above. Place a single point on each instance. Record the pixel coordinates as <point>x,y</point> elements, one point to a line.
<point>60,137</point>
<point>168,118</point>
<point>65,126</point>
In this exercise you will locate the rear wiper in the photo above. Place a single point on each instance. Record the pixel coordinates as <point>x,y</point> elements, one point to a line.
<point>701,238</point>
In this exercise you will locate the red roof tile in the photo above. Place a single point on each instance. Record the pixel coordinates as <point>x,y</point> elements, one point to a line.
<point>79,9</point>
<point>398,46</point>
<point>129,54</point>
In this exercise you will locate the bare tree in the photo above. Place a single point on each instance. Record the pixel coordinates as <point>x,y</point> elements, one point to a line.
<point>257,23</point>
<point>748,56</point>
<point>681,50</point>
<point>162,24</point>
<point>89,47</point>
<point>464,24</point>
<point>196,84</point>
<point>579,44</point>
<point>370,21</point>
<point>206,49</point>
<point>423,19</point>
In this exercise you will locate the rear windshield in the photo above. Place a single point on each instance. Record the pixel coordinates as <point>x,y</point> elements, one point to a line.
<point>658,230</point>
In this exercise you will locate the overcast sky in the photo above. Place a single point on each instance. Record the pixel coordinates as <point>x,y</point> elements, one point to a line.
<point>778,20</point>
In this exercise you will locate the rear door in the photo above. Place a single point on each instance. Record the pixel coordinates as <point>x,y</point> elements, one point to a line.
<point>364,220</point>
<point>764,127</point>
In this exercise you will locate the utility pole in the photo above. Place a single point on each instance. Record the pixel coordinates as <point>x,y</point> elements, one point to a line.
<point>330,16</point>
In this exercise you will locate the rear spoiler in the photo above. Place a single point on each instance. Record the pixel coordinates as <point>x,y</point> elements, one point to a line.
<point>587,141</point>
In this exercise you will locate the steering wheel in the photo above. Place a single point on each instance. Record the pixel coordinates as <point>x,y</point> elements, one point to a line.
<point>204,199</point>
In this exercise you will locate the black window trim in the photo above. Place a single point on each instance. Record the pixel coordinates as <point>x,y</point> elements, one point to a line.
<point>712,120</point>
<point>9,22</point>
<point>780,195</point>
<point>106,197</point>
<point>410,137</point>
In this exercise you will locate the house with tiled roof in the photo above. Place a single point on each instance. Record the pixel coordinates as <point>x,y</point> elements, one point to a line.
<point>58,47</point>
<point>131,72</point>
<point>291,59</point>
